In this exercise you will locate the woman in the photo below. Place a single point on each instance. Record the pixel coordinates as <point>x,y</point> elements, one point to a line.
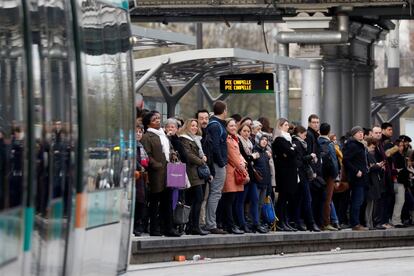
<point>250,189</point>
<point>171,128</point>
<point>303,195</point>
<point>284,156</point>
<point>140,190</point>
<point>158,148</point>
<point>230,189</point>
<point>190,136</point>
<point>400,182</point>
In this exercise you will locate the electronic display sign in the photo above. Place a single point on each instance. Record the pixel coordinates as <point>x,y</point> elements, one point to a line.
<point>247,84</point>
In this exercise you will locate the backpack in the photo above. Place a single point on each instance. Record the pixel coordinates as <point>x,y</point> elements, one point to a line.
<point>328,166</point>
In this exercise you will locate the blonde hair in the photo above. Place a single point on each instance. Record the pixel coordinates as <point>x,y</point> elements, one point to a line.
<point>187,125</point>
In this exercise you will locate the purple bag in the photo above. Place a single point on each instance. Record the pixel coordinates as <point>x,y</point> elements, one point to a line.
<point>176,175</point>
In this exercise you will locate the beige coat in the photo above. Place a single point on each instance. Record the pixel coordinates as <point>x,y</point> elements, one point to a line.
<point>234,159</point>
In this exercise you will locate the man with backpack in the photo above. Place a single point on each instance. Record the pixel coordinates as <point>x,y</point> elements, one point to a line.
<point>330,172</point>
<point>216,150</point>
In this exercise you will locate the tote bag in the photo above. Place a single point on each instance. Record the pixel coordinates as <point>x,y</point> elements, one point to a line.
<point>176,175</point>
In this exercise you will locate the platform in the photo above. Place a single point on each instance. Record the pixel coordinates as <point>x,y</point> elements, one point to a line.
<point>148,249</point>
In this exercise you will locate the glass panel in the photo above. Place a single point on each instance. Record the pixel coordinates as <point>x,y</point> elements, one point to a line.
<point>12,130</point>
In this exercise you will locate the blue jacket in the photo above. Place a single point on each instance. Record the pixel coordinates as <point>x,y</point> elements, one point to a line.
<point>216,130</point>
<point>332,153</point>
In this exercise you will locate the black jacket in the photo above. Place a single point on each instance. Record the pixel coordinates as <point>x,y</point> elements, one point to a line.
<point>375,173</point>
<point>313,147</point>
<point>262,166</point>
<point>178,146</point>
<point>355,159</point>
<point>284,155</point>
<point>303,159</point>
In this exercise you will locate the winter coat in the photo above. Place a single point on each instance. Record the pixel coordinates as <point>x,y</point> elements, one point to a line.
<point>313,147</point>
<point>178,147</point>
<point>355,159</point>
<point>262,166</point>
<point>375,173</point>
<point>249,160</point>
<point>403,175</point>
<point>303,160</point>
<point>157,168</point>
<point>234,159</point>
<point>193,160</point>
<point>219,145</point>
<point>323,141</point>
<point>284,155</point>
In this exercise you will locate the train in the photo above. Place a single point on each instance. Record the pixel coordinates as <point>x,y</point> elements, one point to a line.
<point>67,137</point>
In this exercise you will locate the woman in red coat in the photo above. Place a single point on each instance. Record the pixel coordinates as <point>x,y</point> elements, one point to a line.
<point>230,189</point>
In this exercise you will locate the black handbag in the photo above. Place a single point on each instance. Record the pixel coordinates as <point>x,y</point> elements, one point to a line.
<point>318,183</point>
<point>181,213</point>
<point>203,172</point>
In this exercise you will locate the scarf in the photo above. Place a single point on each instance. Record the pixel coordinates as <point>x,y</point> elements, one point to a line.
<point>142,155</point>
<point>303,142</point>
<point>286,135</point>
<point>196,139</point>
<point>165,143</point>
<point>247,145</point>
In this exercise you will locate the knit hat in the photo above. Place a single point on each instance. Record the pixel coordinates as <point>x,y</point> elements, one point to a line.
<point>356,129</point>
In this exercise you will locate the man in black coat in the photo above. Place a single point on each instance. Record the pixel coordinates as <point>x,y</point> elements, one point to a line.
<point>355,161</point>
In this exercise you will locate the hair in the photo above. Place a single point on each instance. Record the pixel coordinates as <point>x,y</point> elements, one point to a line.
<point>385,125</point>
<point>236,117</point>
<point>331,136</point>
<point>371,141</point>
<point>139,126</point>
<point>299,129</point>
<point>366,131</point>
<point>325,128</point>
<point>171,121</point>
<point>186,127</point>
<point>242,126</point>
<point>228,120</point>
<point>265,124</point>
<point>244,119</point>
<point>312,116</point>
<point>397,142</point>
<point>219,107</point>
<point>279,123</point>
<point>201,111</point>
<point>146,120</point>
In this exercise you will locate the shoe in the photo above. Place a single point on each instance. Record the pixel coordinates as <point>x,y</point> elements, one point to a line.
<point>314,228</point>
<point>236,230</point>
<point>155,233</point>
<point>345,226</point>
<point>380,227</point>
<point>172,233</point>
<point>387,226</point>
<point>329,228</point>
<point>137,233</point>
<point>336,225</point>
<point>260,229</point>
<point>217,231</point>
<point>400,226</point>
<point>359,227</point>
<point>283,227</point>
<point>246,229</point>
<point>199,231</point>
<point>293,229</point>
<point>301,227</point>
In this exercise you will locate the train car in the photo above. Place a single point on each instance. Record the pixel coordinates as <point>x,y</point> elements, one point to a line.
<point>67,142</point>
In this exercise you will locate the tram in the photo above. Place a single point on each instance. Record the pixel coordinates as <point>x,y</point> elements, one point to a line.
<point>67,142</point>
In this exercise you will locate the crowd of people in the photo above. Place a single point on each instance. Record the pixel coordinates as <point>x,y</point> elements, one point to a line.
<point>317,183</point>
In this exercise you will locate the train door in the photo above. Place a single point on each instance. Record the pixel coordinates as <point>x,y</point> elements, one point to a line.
<point>54,131</point>
<point>14,87</point>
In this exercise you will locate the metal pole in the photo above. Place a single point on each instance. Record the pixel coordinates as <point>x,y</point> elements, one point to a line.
<point>332,96</point>
<point>311,90</point>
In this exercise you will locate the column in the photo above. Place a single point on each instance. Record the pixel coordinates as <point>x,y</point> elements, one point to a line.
<point>283,76</point>
<point>332,109</point>
<point>393,64</point>
<point>362,95</point>
<point>346,96</point>
<point>311,90</point>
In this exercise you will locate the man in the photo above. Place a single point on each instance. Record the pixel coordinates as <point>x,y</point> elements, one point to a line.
<point>355,162</point>
<point>330,172</point>
<point>216,136</point>
<point>407,147</point>
<point>202,117</point>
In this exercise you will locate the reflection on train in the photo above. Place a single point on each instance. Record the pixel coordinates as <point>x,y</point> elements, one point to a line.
<point>66,137</point>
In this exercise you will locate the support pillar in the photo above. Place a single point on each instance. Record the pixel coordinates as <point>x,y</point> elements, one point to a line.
<point>362,96</point>
<point>311,90</point>
<point>393,54</point>
<point>346,97</point>
<point>332,109</point>
<point>283,76</point>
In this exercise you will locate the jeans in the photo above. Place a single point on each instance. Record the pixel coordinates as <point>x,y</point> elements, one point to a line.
<point>160,211</point>
<point>304,206</point>
<point>328,201</point>
<point>227,201</point>
<point>250,191</point>
<point>357,198</point>
<point>216,186</point>
<point>333,215</point>
<point>399,191</point>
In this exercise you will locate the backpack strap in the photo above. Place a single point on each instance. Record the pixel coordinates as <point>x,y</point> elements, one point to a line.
<point>221,127</point>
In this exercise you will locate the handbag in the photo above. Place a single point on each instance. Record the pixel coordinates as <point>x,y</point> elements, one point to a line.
<point>241,176</point>
<point>181,213</point>
<point>203,172</point>
<point>176,175</point>
<point>318,183</point>
<point>257,175</point>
